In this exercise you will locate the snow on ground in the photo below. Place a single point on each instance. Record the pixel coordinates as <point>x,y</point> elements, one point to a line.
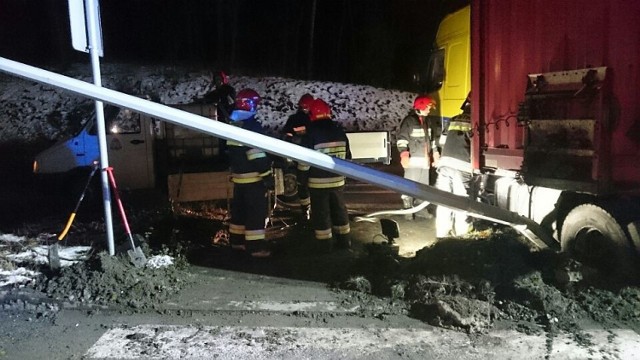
<point>29,110</point>
<point>32,111</point>
<point>18,257</point>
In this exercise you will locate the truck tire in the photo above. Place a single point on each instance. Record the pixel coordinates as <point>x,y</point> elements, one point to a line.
<point>594,237</point>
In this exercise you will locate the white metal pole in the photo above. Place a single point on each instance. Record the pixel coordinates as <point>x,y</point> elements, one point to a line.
<point>92,11</point>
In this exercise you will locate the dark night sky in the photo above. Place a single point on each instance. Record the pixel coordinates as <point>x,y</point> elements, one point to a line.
<point>372,42</point>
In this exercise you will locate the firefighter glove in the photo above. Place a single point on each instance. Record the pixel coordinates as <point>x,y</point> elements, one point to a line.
<point>404,159</point>
<point>436,158</point>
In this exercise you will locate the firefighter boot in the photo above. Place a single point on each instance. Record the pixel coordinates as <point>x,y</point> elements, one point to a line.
<point>237,242</point>
<point>343,242</point>
<point>236,237</point>
<point>323,246</point>
<point>407,203</point>
<point>258,249</point>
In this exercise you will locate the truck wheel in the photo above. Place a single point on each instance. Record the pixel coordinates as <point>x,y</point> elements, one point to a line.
<point>592,236</point>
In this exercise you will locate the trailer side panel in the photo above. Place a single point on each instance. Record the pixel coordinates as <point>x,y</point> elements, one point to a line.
<point>513,39</point>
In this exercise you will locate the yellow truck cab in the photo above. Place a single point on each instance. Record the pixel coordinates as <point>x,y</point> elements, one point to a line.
<point>449,77</point>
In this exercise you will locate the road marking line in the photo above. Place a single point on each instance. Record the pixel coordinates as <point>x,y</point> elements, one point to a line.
<point>184,342</point>
<point>225,342</point>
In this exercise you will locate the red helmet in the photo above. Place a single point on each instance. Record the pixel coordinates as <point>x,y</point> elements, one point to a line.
<point>247,99</point>
<point>220,78</point>
<point>422,102</point>
<point>305,102</point>
<point>319,110</point>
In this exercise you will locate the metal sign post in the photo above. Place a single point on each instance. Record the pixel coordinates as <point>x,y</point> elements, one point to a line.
<point>84,17</point>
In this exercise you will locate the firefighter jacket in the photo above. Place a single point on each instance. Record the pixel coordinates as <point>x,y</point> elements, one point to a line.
<point>456,152</point>
<point>417,135</point>
<point>296,127</point>
<point>327,137</point>
<point>248,165</point>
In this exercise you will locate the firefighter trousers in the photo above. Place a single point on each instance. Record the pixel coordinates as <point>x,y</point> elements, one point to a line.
<point>450,222</point>
<point>248,217</point>
<point>417,174</point>
<point>329,214</point>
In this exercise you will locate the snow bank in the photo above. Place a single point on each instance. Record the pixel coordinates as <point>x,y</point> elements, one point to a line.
<point>30,111</point>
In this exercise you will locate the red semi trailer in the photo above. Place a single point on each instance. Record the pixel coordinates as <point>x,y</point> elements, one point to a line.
<point>555,91</point>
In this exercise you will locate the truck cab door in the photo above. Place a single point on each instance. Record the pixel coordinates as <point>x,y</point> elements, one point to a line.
<point>130,148</point>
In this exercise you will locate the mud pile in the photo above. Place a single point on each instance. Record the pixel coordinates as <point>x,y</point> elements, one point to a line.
<point>113,280</point>
<point>497,280</point>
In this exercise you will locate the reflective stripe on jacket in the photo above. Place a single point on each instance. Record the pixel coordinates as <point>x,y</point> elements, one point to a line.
<point>248,165</point>
<point>415,136</point>
<point>329,138</point>
<point>324,183</point>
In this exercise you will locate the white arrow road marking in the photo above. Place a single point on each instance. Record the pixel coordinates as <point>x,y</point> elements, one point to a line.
<point>224,342</point>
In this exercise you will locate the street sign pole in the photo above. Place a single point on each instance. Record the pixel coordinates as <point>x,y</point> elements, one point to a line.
<point>85,19</point>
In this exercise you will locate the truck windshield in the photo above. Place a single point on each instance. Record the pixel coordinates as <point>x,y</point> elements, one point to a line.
<point>118,121</point>
<point>435,74</point>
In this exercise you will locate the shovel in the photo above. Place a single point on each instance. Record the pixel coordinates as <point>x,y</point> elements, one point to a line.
<point>54,257</point>
<point>135,253</point>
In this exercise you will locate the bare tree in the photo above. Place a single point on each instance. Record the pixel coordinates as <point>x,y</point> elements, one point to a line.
<point>312,25</point>
<point>237,5</point>
<point>60,34</point>
<point>338,63</point>
<point>220,31</point>
<point>290,28</point>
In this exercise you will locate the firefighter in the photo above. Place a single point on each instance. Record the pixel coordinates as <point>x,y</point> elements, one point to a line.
<point>223,95</point>
<point>328,209</point>
<point>294,131</point>
<point>252,180</point>
<point>417,146</point>
<point>296,125</point>
<point>455,172</point>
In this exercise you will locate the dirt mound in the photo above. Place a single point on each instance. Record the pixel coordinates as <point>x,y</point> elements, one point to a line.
<point>497,280</point>
<point>108,280</point>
